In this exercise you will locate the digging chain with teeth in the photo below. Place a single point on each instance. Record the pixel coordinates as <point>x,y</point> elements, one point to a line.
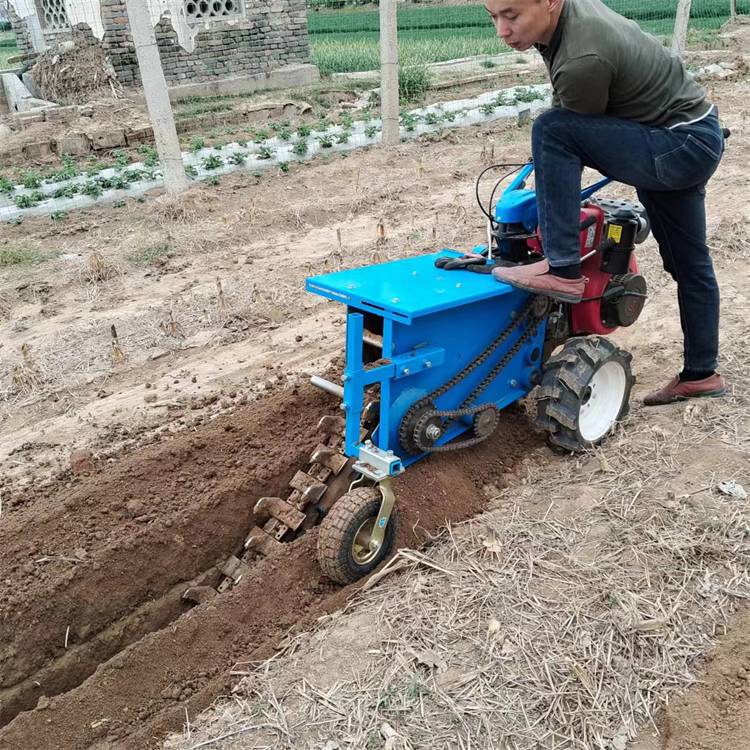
<point>533,311</point>
<point>284,517</point>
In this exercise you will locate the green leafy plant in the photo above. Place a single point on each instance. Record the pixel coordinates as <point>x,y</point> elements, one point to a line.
<point>59,215</point>
<point>346,120</point>
<point>265,152</point>
<point>371,131</point>
<point>118,182</point>
<point>524,94</point>
<point>66,191</point>
<point>413,82</point>
<point>343,136</point>
<point>91,188</point>
<point>277,127</point>
<point>409,121</point>
<point>68,171</point>
<point>488,63</point>
<point>213,180</point>
<point>121,159</point>
<point>300,147</point>
<point>31,179</point>
<point>197,143</point>
<point>325,141</point>
<point>150,155</point>
<point>284,166</point>
<point>212,161</point>
<point>136,175</point>
<point>303,131</point>
<point>94,167</point>
<point>487,108</point>
<point>191,171</point>
<point>6,185</point>
<point>28,200</point>
<point>261,135</point>
<point>238,157</point>
<point>285,135</point>
<point>432,118</point>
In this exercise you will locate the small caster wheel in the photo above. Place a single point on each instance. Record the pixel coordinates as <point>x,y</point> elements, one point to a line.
<point>345,548</point>
<point>585,391</point>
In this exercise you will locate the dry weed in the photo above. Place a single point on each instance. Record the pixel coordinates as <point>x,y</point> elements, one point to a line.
<point>731,239</point>
<point>99,268</point>
<point>6,307</point>
<point>26,376</point>
<point>186,208</point>
<point>118,355</point>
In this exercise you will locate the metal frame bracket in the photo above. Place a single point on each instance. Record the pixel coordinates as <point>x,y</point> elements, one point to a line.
<point>377,464</point>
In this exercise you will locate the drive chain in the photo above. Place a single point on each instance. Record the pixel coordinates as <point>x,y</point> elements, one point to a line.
<point>465,410</point>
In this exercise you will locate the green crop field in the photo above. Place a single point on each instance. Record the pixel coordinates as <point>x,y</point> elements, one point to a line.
<point>7,47</point>
<point>347,40</point>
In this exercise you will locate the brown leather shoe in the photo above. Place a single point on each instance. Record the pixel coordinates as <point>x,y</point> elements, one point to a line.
<point>676,390</point>
<point>536,277</point>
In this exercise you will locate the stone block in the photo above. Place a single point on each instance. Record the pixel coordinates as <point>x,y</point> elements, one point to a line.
<point>40,150</point>
<point>61,114</point>
<point>24,119</point>
<point>106,138</point>
<point>139,134</point>
<point>75,144</point>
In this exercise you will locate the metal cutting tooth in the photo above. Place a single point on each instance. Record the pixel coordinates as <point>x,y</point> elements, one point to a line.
<point>278,516</point>
<point>332,425</point>
<point>313,493</point>
<point>301,481</point>
<point>259,541</point>
<point>279,509</point>
<point>329,457</point>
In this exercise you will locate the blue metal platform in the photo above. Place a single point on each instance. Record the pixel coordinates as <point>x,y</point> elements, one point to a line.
<point>406,289</point>
<point>431,324</point>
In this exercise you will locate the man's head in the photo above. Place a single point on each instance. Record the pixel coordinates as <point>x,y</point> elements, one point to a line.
<point>522,23</point>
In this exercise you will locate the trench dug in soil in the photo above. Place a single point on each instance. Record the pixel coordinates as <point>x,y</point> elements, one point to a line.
<point>93,631</point>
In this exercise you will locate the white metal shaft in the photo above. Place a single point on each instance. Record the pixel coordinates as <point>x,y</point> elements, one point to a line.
<point>327,386</point>
<point>157,96</point>
<point>389,73</point>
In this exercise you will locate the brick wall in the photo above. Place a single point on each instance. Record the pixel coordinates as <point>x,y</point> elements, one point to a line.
<point>267,36</point>
<point>23,39</point>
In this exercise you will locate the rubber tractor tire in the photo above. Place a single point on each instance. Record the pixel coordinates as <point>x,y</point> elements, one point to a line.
<point>585,391</point>
<point>344,532</point>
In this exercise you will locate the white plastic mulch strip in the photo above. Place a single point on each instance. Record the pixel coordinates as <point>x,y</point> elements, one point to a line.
<point>136,179</point>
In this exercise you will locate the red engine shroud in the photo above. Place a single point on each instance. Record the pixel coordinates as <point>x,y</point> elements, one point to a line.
<point>586,317</point>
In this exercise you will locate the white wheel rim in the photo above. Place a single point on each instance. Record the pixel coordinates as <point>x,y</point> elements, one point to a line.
<point>602,401</point>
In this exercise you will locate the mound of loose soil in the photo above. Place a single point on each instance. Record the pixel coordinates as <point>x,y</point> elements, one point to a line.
<point>93,575</point>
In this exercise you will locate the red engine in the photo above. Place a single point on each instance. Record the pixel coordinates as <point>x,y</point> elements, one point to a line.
<point>616,292</point>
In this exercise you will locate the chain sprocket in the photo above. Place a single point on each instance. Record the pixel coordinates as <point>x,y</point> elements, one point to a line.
<point>423,411</point>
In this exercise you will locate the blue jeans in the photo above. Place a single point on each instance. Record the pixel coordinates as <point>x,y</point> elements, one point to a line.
<point>669,169</point>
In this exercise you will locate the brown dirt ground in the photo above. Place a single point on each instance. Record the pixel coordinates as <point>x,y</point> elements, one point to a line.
<point>94,565</point>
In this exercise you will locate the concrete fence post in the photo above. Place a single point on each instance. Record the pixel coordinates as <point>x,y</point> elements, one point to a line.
<point>681,26</point>
<point>157,96</point>
<point>389,73</point>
